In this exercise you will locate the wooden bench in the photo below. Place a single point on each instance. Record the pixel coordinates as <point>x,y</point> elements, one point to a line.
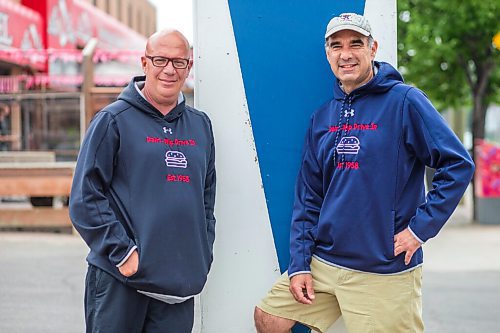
<point>27,156</point>
<point>21,176</point>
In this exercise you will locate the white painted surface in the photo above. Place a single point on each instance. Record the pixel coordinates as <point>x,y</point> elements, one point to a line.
<point>245,264</point>
<point>382,16</point>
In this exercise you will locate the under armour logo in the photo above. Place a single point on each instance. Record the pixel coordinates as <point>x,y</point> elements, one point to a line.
<point>167,130</point>
<point>349,113</point>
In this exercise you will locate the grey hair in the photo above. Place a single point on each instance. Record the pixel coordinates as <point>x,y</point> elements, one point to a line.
<point>371,41</point>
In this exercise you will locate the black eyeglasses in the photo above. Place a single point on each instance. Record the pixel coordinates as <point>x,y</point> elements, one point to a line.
<point>178,63</point>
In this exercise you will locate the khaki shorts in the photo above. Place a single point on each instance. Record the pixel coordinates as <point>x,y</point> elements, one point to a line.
<point>368,302</point>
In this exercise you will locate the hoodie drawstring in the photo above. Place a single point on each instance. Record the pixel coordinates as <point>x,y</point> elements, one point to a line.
<point>346,114</point>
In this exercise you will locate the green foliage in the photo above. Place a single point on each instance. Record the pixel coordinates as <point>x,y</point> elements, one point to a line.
<point>445,48</point>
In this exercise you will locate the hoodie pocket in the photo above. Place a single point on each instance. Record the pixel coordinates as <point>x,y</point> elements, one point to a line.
<point>210,234</point>
<point>390,231</point>
<point>139,270</point>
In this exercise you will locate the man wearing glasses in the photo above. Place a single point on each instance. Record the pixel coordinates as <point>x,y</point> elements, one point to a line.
<point>143,199</point>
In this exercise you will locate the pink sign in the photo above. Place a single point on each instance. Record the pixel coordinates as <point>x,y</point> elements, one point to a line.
<point>72,23</point>
<point>21,35</point>
<point>487,169</point>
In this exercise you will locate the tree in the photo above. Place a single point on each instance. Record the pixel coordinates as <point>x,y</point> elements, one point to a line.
<point>446,48</point>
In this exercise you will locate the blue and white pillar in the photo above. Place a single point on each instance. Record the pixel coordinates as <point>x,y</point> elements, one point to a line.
<point>260,71</point>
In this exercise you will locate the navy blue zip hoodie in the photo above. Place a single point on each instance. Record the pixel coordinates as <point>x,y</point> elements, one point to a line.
<point>361,178</point>
<point>147,180</point>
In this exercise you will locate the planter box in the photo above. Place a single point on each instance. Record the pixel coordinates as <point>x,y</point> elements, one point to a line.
<point>488,210</point>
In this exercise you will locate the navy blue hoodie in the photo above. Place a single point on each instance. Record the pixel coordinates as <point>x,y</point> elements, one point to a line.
<point>361,178</point>
<point>148,180</point>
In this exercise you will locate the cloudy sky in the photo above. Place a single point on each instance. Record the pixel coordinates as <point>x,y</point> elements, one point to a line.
<point>175,14</point>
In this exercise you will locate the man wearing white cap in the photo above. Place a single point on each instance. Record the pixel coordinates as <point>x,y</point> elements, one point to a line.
<point>360,214</point>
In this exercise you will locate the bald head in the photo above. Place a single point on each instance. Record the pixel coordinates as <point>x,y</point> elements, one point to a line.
<point>170,38</point>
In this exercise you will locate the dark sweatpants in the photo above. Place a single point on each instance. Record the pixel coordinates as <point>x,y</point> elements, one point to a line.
<point>111,306</point>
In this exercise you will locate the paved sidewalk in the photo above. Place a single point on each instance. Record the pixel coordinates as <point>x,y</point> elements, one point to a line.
<point>41,283</point>
<point>461,292</point>
<point>42,277</point>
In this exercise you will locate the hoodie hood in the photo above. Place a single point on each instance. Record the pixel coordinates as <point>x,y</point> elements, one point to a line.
<point>386,77</point>
<point>133,97</point>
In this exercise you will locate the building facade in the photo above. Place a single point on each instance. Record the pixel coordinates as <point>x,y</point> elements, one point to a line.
<point>139,15</point>
<point>41,65</point>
